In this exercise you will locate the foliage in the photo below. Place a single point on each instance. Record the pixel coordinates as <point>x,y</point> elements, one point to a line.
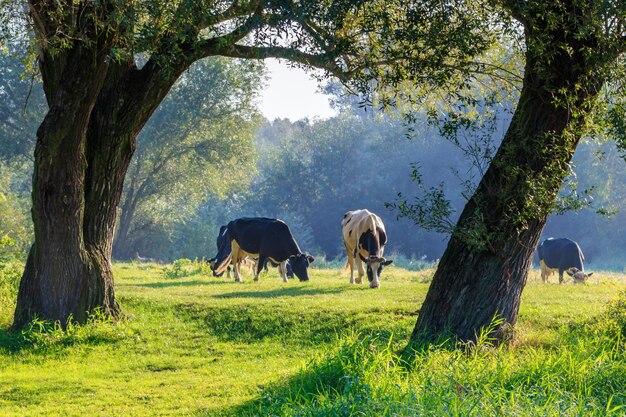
<point>184,267</point>
<point>197,143</point>
<point>612,322</point>
<point>311,172</point>
<point>45,337</point>
<point>10,274</point>
<point>22,106</point>
<point>15,224</point>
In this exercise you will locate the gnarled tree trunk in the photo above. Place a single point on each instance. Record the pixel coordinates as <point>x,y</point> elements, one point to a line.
<point>83,151</point>
<point>485,266</point>
<point>61,278</point>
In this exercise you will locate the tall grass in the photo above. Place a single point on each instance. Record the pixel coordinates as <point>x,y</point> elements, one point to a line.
<point>362,375</point>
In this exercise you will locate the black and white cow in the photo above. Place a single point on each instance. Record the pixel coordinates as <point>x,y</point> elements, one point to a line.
<point>364,237</point>
<point>221,240</point>
<point>264,239</point>
<point>562,255</point>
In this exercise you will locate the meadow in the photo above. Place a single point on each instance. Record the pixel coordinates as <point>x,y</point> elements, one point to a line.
<point>194,345</point>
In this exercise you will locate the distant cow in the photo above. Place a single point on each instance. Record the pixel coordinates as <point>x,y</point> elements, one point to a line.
<point>364,237</point>
<point>562,255</point>
<point>264,239</point>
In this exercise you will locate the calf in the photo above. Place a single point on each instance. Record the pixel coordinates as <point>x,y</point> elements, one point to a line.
<point>364,237</point>
<point>284,268</point>
<point>563,255</point>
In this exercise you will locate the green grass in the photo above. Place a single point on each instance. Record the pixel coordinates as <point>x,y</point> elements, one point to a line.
<point>196,345</point>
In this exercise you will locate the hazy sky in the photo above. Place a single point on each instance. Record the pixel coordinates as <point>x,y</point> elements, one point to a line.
<point>291,94</point>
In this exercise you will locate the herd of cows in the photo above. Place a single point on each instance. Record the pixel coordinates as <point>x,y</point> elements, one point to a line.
<point>263,240</point>
<point>259,241</point>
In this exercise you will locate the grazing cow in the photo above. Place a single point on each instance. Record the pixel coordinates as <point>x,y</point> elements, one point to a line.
<point>264,239</point>
<point>364,237</point>
<point>561,255</point>
<point>222,239</point>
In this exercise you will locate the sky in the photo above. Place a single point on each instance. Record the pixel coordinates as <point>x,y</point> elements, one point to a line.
<point>291,94</point>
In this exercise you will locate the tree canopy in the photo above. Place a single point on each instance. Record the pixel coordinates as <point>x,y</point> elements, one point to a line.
<point>199,142</point>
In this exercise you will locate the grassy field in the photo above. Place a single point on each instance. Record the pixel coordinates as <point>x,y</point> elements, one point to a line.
<point>196,345</point>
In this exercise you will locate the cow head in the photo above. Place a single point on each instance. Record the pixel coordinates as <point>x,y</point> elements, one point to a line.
<point>299,264</point>
<point>212,265</point>
<point>375,266</point>
<point>218,266</point>
<point>578,275</point>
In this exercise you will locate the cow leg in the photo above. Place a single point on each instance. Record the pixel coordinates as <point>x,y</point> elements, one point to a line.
<point>259,267</point>
<point>359,265</point>
<point>282,270</point>
<point>560,276</point>
<point>256,268</point>
<point>351,263</point>
<point>544,272</point>
<point>235,261</point>
<point>228,268</point>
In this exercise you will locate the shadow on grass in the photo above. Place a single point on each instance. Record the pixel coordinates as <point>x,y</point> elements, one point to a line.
<point>12,342</point>
<point>282,292</point>
<point>337,382</point>
<point>256,323</point>
<point>170,283</point>
<point>42,338</point>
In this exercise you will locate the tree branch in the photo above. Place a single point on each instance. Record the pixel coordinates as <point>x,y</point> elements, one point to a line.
<point>232,12</point>
<point>517,8</point>
<point>325,61</point>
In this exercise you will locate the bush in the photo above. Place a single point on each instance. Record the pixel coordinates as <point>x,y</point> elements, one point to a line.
<point>45,336</point>
<point>10,275</point>
<point>184,267</point>
<point>612,322</point>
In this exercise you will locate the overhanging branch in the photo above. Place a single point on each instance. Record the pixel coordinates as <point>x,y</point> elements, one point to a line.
<point>325,61</point>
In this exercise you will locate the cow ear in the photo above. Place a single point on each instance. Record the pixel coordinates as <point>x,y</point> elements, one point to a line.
<point>388,262</point>
<point>589,274</point>
<point>292,257</point>
<point>362,258</point>
<point>569,272</point>
<point>310,258</point>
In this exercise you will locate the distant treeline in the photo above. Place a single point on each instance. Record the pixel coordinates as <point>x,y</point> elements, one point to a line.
<point>311,173</point>
<point>195,170</point>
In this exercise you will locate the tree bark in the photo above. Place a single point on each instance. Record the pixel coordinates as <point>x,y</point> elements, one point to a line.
<point>485,266</point>
<point>58,280</point>
<point>78,183</point>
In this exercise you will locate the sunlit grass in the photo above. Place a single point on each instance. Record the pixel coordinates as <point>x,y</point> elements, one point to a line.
<point>198,345</point>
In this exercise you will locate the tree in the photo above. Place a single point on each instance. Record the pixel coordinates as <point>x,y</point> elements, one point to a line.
<point>198,142</point>
<point>99,97</point>
<point>573,50</point>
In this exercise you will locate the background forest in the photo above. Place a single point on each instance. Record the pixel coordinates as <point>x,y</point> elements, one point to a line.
<point>208,156</point>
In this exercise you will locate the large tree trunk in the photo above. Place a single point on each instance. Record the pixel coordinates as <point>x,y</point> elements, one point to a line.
<point>484,268</point>
<point>62,275</point>
<point>84,148</point>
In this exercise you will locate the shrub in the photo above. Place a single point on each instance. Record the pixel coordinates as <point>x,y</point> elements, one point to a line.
<point>10,275</point>
<point>184,267</point>
<point>44,335</point>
